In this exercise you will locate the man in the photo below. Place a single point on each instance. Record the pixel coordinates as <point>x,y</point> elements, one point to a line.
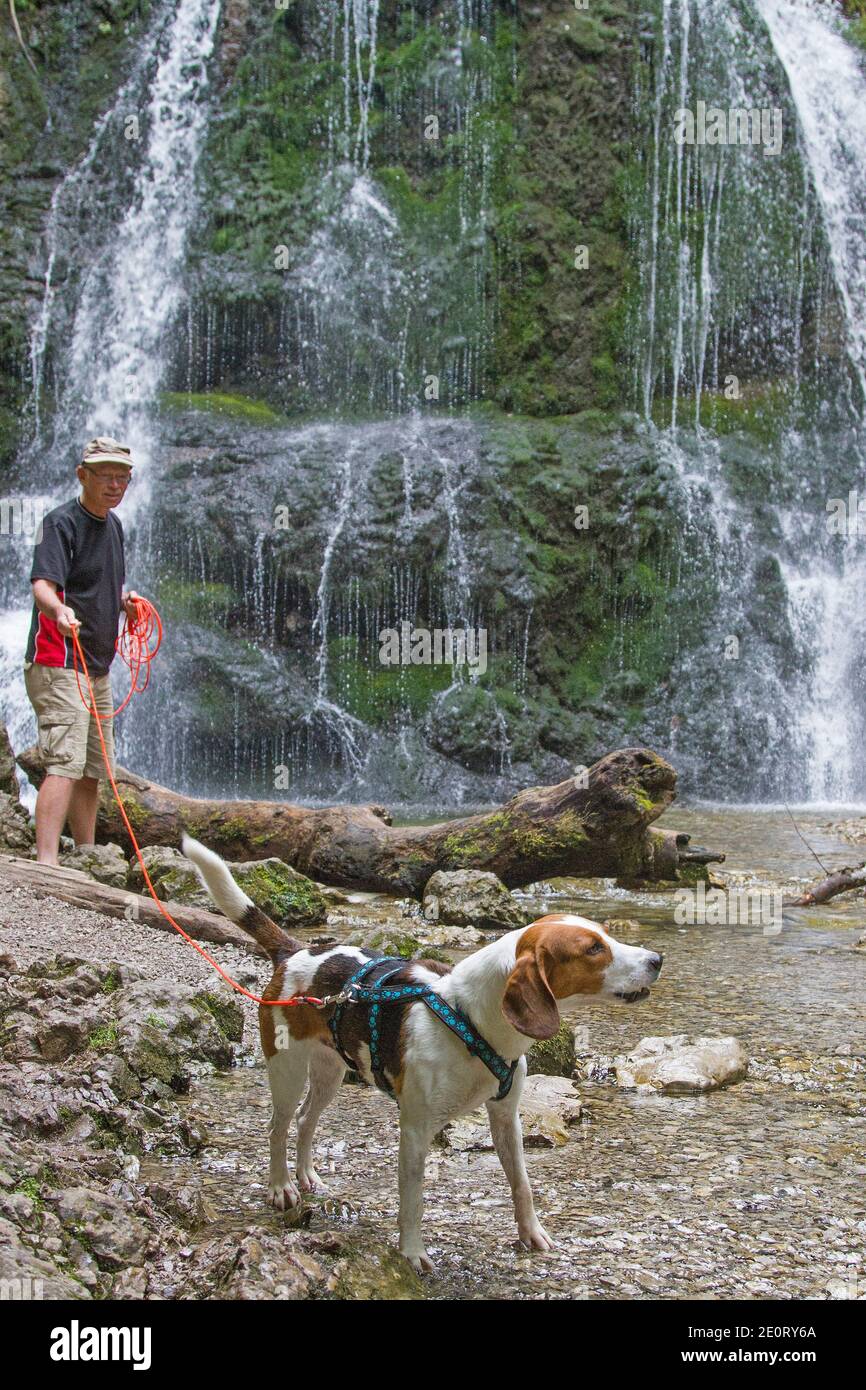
<point>77,578</point>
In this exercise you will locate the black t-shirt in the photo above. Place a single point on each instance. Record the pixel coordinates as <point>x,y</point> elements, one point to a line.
<point>83,555</point>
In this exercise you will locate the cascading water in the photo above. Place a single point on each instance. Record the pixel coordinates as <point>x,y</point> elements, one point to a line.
<point>747,353</point>
<point>828,86</point>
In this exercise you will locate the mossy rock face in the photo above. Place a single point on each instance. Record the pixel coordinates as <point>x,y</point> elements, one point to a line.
<point>290,898</point>
<point>554,1056</point>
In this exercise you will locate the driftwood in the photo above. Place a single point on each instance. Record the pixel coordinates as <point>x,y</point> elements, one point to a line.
<point>840,882</point>
<point>603,828</point>
<point>75,887</point>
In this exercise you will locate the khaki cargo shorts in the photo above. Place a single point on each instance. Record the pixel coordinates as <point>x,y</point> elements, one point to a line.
<point>68,735</point>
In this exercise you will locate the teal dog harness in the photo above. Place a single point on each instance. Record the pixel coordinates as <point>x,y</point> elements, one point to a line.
<point>379,994</point>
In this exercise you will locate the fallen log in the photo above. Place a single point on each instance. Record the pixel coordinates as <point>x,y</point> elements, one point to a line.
<point>597,825</point>
<point>77,888</point>
<point>840,882</point>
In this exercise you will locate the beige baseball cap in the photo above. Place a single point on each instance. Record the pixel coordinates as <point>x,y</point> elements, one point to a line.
<point>106,450</point>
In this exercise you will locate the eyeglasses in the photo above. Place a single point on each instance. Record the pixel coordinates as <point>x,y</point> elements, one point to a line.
<point>123,479</point>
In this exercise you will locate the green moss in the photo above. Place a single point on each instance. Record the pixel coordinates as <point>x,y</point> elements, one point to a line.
<point>283,893</point>
<point>111,983</point>
<point>104,1039</point>
<point>156,1022</point>
<point>235,406</point>
<point>226,1014</point>
<point>31,1188</point>
<point>138,815</point>
<point>553,1056</point>
<point>204,603</point>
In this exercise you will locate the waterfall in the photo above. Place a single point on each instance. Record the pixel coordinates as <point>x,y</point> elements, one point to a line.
<point>132,213</point>
<point>828,86</point>
<point>747,344</point>
<point>133,291</point>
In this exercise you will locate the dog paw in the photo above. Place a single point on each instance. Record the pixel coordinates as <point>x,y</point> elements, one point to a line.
<point>421,1262</point>
<point>309,1181</point>
<point>536,1238</point>
<point>283,1196</point>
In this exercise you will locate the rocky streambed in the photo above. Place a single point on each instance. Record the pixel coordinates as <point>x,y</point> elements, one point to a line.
<point>133,1118</point>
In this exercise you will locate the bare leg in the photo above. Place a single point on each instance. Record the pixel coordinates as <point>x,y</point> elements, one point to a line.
<point>82,810</point>
<point>508,1140</point>
<point>287,1075</point>
<point>327,1070</point>
<point>414,1143</point>
<point>52,808</point>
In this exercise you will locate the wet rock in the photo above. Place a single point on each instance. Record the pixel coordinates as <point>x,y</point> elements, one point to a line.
<point>471,898</point>
<point>105,863</point>
<point>59,1035</point>
<point>554,1056</point>
<point>17,835</point>
<point>371,1269</point>
<point>257,1266</point>
<point>290,898</point>
<point>102,1225</point>
<point>391,941</point>
<point>680,1065</point>
<point>130,1283</point>
<point>550,1105</point>
<point>119,1076</point>
<point>185,1204</point>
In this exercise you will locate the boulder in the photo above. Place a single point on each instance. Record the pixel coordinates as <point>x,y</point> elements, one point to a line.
<point>290,898</point>
<point>471,898</point>
<point>679,1065</point>
<point>105,863</point>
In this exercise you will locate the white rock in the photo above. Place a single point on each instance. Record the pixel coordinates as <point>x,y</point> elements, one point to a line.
<point>682,1065</point>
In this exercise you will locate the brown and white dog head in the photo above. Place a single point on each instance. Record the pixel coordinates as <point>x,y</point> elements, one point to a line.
<point>561,957</point>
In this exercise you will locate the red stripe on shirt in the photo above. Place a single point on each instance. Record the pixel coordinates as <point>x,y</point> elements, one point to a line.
<point>50,644</point>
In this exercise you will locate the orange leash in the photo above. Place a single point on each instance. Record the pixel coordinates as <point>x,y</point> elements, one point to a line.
<point>134,646</point>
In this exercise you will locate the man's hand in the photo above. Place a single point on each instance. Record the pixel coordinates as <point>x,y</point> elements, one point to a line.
<point>66,621</point>
<point>128,603</point>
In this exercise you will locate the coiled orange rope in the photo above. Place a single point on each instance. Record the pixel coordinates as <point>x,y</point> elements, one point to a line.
<point>137,645</point>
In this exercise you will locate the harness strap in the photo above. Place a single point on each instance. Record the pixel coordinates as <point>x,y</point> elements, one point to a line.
<point>376,995</point>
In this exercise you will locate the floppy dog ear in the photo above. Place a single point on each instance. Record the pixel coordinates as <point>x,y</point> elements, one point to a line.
<point>528,1003</point>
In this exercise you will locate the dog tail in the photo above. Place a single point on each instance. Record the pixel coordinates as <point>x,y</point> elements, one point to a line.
<point>233,901</point>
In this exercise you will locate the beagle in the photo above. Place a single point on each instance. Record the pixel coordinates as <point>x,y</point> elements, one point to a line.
<point>512,991</point>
